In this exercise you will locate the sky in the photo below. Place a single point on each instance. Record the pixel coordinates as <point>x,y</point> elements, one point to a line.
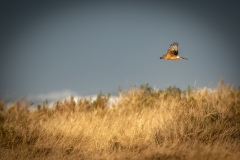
<point>62,48</point>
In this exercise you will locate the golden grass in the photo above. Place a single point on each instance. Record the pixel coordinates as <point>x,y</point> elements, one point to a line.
<point>143,124</point>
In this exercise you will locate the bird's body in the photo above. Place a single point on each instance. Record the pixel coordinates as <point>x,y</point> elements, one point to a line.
<point>172,53</point>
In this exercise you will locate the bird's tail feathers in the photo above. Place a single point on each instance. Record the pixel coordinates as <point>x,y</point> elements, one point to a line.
<point>183,58</point>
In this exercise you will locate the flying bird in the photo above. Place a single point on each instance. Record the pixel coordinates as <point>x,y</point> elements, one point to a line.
<point>172,53</point>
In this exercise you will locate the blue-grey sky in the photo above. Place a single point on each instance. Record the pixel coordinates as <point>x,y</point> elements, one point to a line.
<point>85,47</point>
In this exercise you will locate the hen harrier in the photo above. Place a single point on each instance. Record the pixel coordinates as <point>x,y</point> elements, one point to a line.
<point>172,53</point>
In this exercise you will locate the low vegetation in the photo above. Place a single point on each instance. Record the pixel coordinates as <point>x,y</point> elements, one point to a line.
<point>144,123</point>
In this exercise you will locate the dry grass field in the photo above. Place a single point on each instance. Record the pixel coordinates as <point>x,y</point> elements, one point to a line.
<point>142,124</point>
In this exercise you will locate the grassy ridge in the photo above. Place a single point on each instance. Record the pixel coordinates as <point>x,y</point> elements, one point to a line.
<point>143,124</point>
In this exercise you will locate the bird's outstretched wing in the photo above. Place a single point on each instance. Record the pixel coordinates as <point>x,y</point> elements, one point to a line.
<point>173,49</point>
